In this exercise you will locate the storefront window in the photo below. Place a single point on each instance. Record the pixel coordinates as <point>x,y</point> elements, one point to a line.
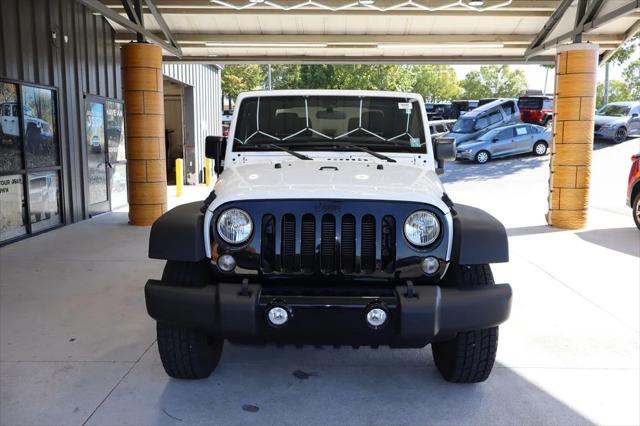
<point>115,139</point>
<point>12,207</point>
<point>97,166</point>
<point>44,200</point>
<point>39,122</point>
<point>10,140</point>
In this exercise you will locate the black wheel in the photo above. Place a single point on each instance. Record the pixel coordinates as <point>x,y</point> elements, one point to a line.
<point>187,353</point>
<point>636,210</point>
<point>468,357</point>
<point>621,135</point>
<point>540,148</point>
<point>482,157</point>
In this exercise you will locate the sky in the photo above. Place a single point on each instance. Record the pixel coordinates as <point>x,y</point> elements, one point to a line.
<point>536,74</point>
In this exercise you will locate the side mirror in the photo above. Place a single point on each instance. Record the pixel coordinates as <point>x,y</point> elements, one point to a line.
<point>214,148</point>
<point>494,140</point>
<point>445,149</point>
<point>634,115</point>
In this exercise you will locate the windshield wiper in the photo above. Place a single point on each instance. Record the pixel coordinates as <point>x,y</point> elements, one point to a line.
<point>290,151</point>
<point>368,151</point>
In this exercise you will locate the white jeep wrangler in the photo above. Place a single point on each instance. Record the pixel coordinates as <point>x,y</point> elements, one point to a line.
<point>328,225</point>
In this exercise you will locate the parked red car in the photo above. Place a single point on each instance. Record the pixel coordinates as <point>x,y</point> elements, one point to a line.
<point>536,109</point>
<point>633,190</point>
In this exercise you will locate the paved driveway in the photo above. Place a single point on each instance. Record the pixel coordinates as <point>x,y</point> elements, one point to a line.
<point>76,346</point>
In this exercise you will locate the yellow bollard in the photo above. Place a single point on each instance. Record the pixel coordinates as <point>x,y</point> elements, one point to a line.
<point>179,177</point>
<point>207,171</point>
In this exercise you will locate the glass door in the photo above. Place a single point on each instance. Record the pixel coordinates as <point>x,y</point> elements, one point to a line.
<point>97,157</point>
<point>117,156</point>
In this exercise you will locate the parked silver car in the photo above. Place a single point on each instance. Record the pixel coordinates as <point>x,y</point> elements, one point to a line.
<point>617,120</point>
<point>504,141</point>
<point>472,124</point>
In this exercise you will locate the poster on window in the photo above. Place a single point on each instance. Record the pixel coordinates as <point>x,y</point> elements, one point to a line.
<point>39,123</point>
<point>10,141</point>
<point>44,200</point>
<point>12,208</point>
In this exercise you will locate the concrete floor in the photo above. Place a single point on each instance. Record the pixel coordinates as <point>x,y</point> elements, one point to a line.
<point>76,345</point>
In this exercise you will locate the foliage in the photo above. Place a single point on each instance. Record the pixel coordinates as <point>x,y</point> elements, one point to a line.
<point>437,83</point>
<point>626,51</point>
<point>282,76</point>
<point>494,81</point>
<point>361,77</point>
<point>618,91</point>
<point>631,75</point>
<point>241,78</point>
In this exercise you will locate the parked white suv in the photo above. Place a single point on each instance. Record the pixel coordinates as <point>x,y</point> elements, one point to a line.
<point>328,225</point>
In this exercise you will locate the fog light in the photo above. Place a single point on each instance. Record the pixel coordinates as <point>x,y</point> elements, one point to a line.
<point>430,265</point>
<point>226,263</point>
<point>376,317</point>
<point>278,316</point>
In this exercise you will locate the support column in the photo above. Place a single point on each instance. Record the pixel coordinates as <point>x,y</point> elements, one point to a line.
<point>146,154</point>
<point>572,147</point>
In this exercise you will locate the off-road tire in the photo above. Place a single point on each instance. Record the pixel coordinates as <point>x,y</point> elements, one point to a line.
<point>468,357</point>
<point>535,148</point>
<point>635,205</point>
<point>620,135</point>
<point>187,353</point>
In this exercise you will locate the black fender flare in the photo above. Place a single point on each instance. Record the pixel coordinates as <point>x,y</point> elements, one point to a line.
<point>179,234</point>
<point>478,237</point>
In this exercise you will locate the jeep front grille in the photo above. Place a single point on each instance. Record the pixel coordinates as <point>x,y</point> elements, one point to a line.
<point>328,244</point>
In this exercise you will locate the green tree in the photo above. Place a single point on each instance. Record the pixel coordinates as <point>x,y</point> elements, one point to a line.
<point>618,91</point>
<point>494,81</point>
<point>286,76</point>
<point>626,51</point>
<point>362,77</point>
<point>241,78</point>
<point>437,83</point>
<point>631,75</point>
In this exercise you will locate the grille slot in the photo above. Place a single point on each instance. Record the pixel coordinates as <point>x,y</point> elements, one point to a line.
<point>348,244</point>
<point>308,243</point>
<point>268,244</point>
<point>288,243</point>
<point>328,244</point>
<point>368,243</point>
<point>388,244</point>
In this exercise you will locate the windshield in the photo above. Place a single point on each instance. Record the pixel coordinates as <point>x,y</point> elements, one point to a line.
<point>614,110</point>
<point>531,103</point>
<point>326,122</point>
<point>464,125</point>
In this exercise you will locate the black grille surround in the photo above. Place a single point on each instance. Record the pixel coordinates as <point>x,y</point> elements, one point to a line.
<point>343,239</point>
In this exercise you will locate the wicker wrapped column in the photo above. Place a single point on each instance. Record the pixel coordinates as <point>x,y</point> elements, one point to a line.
<point>572,147</point>
<point>144,105</point>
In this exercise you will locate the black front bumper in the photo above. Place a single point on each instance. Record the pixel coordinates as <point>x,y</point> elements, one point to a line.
<point>331,316</point>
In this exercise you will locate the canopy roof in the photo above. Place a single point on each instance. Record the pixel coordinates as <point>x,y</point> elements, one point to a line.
<point>374,31</point>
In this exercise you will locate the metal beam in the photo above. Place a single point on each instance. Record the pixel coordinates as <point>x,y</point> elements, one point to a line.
<point>98,7</point>
<point>162,23</point>
<point>592,11</point>
<point>632,31</point>
<point>580,13</point>
<point>588,26</point>
<point>549,26</point>
<point>403,60</point>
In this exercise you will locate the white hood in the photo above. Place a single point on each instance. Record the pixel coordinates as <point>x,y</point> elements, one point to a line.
<point>319,179</point>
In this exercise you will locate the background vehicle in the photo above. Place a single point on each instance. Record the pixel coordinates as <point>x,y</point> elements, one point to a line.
<point>328,226</point>
<point>618,120</point>
<point>485,101</point>
<point>633,188</point>
<point>536,109</point>
<point>505,141</point>
<point>96,146</point>
<point>441,111</point>
<point>439,128</point>
<point>464,106</point>
<point>489,116</point>
<point>9,120</point>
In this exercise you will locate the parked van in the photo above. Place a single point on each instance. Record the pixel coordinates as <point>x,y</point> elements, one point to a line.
<point>484,118</point>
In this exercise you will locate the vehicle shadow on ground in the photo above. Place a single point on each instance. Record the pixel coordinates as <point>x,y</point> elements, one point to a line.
<point>623,240</point>
<point>345,386</point>
<point>532,230</point>
<point>457,171</point>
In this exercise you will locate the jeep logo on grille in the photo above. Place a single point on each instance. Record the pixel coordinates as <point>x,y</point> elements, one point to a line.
<point>327,207</point>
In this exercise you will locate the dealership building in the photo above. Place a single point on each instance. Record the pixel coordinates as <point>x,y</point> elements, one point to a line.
<point>63,145</point>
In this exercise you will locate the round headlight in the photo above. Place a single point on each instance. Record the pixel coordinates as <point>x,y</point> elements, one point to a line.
<point>234,226</point>
<point>422,228</point>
